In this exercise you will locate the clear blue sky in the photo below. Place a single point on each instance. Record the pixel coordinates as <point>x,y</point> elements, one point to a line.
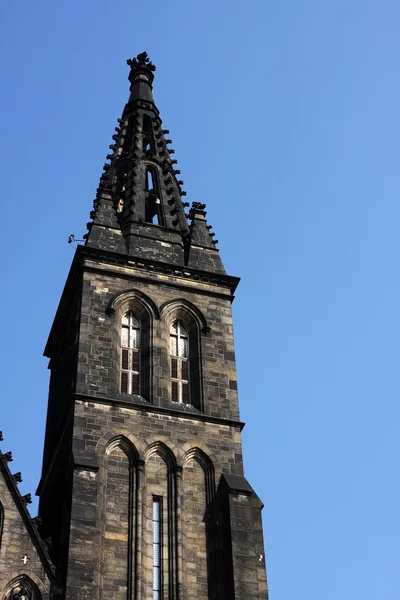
<point>285,120</point>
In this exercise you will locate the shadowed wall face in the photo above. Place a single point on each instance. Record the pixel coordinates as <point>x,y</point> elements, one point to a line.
<point>116,525</point>
<point>194,524</point>
<point>157,561</point>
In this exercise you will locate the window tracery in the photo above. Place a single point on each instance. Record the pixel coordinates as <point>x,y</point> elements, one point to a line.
<point>22,588</point>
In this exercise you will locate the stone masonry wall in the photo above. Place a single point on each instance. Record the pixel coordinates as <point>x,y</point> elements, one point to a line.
<point>96,426</point>
<point>15,543</point>
<point>98,367</point>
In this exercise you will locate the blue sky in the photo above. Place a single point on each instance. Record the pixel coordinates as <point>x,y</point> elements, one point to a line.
<point>284,117</point>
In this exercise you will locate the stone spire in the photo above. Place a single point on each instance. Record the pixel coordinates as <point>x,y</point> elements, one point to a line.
<point>139,207</point>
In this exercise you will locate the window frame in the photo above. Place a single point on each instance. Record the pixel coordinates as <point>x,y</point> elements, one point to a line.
<point>130,377</point>
<point>179,364</point>
<point>157,546</point>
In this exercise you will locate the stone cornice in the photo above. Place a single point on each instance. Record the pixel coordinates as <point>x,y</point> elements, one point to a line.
<point>148,407</point>
<point>187,273</point>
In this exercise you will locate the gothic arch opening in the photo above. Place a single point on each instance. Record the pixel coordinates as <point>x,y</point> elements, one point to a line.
<point>153,207</point>
<point>129,308</point>
<point>22,588</point>
<point>119,517</point>
<point>198,525</point>
<point>184,351</point>
<point>159,521</point>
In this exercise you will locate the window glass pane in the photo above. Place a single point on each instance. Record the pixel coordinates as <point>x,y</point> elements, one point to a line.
<point>184,370</point>
<point>185,393</point>
<point>183,331</point>
<point>125,359</point>
<point>156,554</point>
<point>156,510</point>
<point>174,368</point>
<point>130,361</point>
<point>174,390</point>
<point>135,361</point>
<point>124,382</point>
<point>124,337</point>
<point>183,348</point>
<point>135,383</point>
<point>135,338</point>
<point>174,346</point>
<point>156,532</point>
<point>135,322</point>
<point>174,328</point>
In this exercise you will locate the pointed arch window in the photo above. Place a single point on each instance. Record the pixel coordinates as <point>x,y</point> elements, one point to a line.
<point>130,354</point>
<point>179,353</point>
<point>153,210</point>
<point>22,588</point>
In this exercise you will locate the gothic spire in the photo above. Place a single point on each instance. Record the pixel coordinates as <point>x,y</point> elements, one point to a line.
<point>139,207</point>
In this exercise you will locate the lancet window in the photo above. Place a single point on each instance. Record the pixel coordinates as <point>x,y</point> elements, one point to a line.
<point>130,354</point>
<point>179,356</point>
<point>22,588</point>
<point>153,211</point>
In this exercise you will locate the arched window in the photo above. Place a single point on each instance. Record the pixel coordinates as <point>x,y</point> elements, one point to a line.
<point>22,588</point>
<point>130,354</point>
<point>179,352</point>
<point>153,210</point>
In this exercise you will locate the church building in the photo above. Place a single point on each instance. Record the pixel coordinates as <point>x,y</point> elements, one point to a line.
<point>142,492</point>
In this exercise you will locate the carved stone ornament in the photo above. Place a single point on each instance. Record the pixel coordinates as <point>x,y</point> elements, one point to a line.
<point>20,592</point>
<point>142,60</point>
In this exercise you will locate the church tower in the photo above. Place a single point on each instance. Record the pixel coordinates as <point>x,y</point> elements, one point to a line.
<point>142,493</point>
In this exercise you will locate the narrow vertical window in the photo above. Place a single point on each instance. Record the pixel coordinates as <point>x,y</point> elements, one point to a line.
<point>157,538</point>
<point>127,133</point>
<point>153,212</point>
<point>179,350</point>
<point>130,359</point>
<point>148,137</point>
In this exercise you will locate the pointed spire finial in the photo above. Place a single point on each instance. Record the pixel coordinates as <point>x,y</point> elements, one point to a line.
<point>141,76</point>
<point>141,60</point>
